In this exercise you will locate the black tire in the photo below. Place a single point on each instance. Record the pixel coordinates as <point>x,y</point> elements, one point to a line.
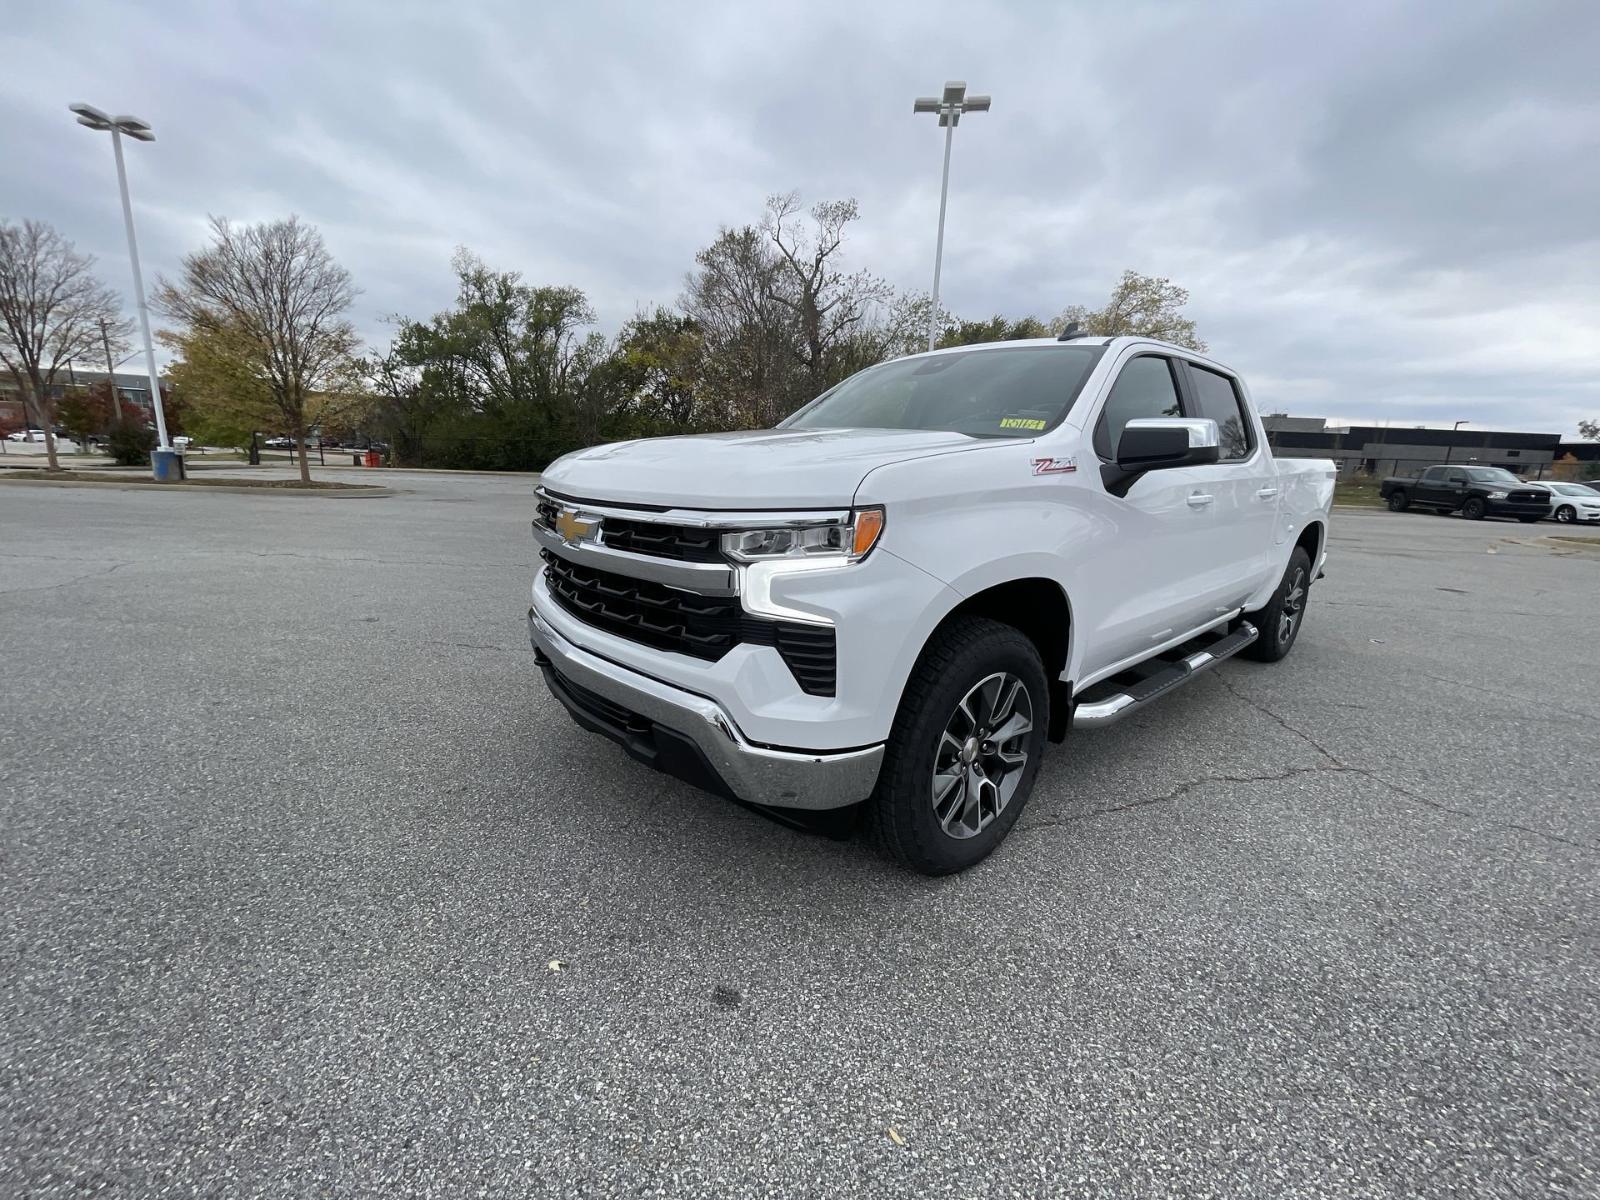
<point>1566,514</point>
<point>1399,501</point>
<point>901,817</point>
<point>1474,509</point>
<point>1280,621</point>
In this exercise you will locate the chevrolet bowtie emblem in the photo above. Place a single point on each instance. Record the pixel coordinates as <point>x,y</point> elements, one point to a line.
<point>571,527</point>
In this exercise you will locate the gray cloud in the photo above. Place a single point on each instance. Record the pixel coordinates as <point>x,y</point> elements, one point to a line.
<point>1381,211</point>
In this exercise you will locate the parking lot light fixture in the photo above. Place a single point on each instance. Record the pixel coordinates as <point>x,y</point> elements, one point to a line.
<point>139,131</point>
<point>949,108</point>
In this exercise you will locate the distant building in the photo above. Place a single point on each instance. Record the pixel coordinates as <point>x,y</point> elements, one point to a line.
<point>134,389</point>
<point>1393,450</point>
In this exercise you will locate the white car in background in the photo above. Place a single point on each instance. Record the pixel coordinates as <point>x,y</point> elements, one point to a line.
<point>1570,502</point>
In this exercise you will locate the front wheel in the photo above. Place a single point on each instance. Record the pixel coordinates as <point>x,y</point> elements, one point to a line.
<point>1474,509</point>
<point>1566,514</point>
<point>965,748</point>
<point>1279,622</point>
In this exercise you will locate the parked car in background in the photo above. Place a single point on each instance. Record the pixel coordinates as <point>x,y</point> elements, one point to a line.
<point>1572,502</point>
<point>1474,492</point>
<point>26,435</point>
<point>277,443</point>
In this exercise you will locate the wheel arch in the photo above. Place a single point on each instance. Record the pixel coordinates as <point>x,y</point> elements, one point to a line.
<point>1041,610</point>
<point>1313,537</point>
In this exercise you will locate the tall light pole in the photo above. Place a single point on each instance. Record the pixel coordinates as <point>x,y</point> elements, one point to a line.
<point>139,132</point>
<point>950,106</point>
<point>1450,446</point>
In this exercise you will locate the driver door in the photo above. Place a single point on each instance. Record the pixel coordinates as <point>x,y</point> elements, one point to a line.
<point>1158,571</point>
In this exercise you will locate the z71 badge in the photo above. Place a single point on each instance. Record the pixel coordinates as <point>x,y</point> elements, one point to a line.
<point>1054,466</point>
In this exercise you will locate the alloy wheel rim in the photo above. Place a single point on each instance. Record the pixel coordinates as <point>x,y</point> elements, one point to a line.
<point>1294,602</point>
<point>1564,515</point>
<point>981,755</point>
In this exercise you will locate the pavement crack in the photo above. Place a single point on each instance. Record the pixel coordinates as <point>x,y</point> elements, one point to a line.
<point>1278,720</point>
<point>1179,792</point>
<point>50,587</point>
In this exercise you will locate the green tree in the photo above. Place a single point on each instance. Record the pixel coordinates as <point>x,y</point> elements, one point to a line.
<point>1140,306</point>
<point>273,297</point>
<point>995,329</point>
<point>216,369</point>
<point>661,355</point>
<point>508,378</point>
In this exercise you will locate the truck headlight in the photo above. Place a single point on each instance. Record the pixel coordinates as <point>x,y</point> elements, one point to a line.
<point>1497,495</point>
<point>850,539</point>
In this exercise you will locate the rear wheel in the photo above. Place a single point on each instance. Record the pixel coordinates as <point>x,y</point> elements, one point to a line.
<point>965,748</point>
<point>1399,501</point>
<point>1566,514</point>
<point>1279,622</point>
<point>1474,509</point>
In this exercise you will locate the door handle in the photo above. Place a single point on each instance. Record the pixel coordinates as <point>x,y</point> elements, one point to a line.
<point>1267,493</point>
<point>1199,500</point>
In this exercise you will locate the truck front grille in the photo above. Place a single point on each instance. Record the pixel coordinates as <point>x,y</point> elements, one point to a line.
<point>1540,497</point>
<point>681,542</point>
<point>705,627</point>
<point>684,543</point>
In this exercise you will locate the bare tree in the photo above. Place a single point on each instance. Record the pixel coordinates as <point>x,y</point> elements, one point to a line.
<point>275,294</point>
<point>51,310</point>
<point>830,305</point>
<point>1140,306</point>
<point>748,336</point>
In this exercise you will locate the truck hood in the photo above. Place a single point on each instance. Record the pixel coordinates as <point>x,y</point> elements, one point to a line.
<point>763,468</point>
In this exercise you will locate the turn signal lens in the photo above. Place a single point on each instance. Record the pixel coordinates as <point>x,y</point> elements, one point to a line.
<point>868,525</point>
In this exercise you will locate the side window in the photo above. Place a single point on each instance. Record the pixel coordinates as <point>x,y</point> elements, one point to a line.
<point>1434,474</point>
<point>1215,396</point>
<point>1455,476</point>
<point>1144,388</point>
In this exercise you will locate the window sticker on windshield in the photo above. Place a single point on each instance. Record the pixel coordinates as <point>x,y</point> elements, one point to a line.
<point>1054,466</point>
<point>1021,423</point>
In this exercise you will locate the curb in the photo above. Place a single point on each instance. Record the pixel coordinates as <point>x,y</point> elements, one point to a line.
<point>341,493</point>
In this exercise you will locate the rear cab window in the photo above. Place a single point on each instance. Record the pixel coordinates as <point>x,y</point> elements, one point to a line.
<point>1217,396</point>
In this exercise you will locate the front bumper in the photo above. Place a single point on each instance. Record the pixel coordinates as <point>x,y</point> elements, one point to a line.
<point>1507,508</point>
<point>693,738</point>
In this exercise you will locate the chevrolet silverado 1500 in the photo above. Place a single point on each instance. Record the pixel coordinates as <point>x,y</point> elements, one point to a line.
<point>898,594</point>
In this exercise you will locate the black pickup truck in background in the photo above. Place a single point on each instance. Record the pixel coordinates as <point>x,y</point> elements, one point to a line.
<point>1475,492</point>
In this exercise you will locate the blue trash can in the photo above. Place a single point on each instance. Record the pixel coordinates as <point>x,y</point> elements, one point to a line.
<point>166,466</point>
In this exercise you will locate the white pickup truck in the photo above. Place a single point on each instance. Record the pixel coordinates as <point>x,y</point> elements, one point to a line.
<point>896,595</point>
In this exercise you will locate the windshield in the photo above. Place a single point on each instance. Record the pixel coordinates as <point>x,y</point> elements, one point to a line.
<point>1016,392</point>
<point>1491,475</point>
<point>1571,489</point>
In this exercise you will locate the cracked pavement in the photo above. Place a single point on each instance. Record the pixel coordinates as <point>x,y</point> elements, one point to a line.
<point>291,834</point>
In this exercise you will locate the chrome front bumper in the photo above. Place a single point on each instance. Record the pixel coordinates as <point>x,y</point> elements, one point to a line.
<point>755,774</point>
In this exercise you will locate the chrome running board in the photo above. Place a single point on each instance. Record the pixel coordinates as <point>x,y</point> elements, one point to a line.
<point>1107,709</point>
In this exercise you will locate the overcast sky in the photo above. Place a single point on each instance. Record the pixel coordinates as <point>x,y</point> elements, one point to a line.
<point>1382,211</point>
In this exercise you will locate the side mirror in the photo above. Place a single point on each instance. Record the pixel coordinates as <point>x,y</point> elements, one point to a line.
<point>1159,444</point>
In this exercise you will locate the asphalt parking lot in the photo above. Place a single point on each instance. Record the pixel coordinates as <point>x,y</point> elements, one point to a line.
<point>293,844</point>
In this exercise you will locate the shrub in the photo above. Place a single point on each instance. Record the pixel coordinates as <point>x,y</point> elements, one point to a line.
<point>130,445</point>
